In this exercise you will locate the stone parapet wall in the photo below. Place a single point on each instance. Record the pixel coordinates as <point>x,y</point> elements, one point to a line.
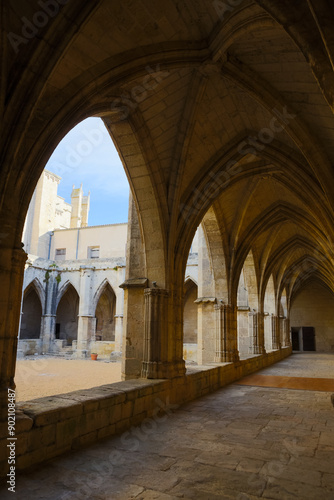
<point>50,426</point>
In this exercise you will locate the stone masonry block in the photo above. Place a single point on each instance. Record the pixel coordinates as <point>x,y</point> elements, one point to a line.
<point>22,422</point>
<point>127,410</point>
<point>84,440</point>
<point>106,431</point>
<point>46,411</point>
<point>30,459</point>
<point>115,413</point>
<point>68,430</point>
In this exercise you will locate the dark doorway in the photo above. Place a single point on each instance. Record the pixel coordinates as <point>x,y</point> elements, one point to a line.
<point>67,315</point>
<point>105,313</point>
<point>31,314</point>
<point>308,338</point>
<point>295,339</point>
<point>57,330</point>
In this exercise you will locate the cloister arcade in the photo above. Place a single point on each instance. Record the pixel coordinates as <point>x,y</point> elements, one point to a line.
<point>222,117</point>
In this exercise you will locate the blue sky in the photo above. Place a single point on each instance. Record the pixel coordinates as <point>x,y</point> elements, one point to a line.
<point>87,155</point>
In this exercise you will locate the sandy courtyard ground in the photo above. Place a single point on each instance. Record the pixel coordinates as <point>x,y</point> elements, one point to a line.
<point>43,376</point>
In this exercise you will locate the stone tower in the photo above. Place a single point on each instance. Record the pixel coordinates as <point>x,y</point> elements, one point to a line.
<point>80,207</point>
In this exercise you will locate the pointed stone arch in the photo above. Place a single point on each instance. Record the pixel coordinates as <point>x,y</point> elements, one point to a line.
<point>35,282</point>
<point>104,310</point>
<point>32,311</point>
<point>242,317</point>
<point>269,309</point>
<point>67,314</point>
<point>63,289</point>
<point>190,311</point>
<point>251,281</point>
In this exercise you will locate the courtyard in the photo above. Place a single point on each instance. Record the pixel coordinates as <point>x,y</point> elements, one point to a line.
<point>40,376</point>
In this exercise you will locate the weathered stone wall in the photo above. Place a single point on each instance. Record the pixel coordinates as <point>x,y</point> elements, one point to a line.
<point>243,331</point>
<point>51,426</point>
<point>314,307</point>
<point>88,279</point>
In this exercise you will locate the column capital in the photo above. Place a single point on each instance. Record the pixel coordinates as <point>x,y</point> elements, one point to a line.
<point>155,292</point>
<point>134,283</point>
<point>206,300</point>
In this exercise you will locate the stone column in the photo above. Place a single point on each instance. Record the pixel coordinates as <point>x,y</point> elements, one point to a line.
<point>162,354</point>
<point>286,333</point>
<point>86,319</point>
<point>226,333</point>
<point>118,332</point>
<point>48,320</point>
<point>242,330</point>
<point>256,332</point>
<point>275,331</point>
<point>206,328</point>
<point>133,327</point>
<point>118,318</point>
<point>133,286</point>
<point>11,278</point>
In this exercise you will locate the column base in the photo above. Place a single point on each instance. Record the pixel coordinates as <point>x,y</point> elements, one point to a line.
<point>82,350</point>
<point>257,350</point>
<point>160,369</point>
<point>227,357</point>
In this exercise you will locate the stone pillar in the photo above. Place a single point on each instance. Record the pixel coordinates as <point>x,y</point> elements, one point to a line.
<point>256,332</point>
<point>86,319</point>
<point>243,331</point>
<point>119,312</point>
<point>155,333</point>
<point>133,327</point>
<point>133,286</point>
<point>226,333</point>
<point>48,320</point>
<point>48,332</point>
<point>286,333</point>
<point>275,331</point>
<point>11,278</point>
<point>281,330</point>
<point>86,334</point>
<point>206,328</point>
<point>118,332</point>
<point>163,355</point>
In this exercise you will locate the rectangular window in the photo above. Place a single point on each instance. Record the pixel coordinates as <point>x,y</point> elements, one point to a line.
<point>60,253</point>
<point>93,252</point>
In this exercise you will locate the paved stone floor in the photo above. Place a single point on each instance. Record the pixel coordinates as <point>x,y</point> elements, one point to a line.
<point>242,442</point>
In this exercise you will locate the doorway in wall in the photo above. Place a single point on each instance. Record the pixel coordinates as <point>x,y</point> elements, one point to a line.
<point>303,338</point>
